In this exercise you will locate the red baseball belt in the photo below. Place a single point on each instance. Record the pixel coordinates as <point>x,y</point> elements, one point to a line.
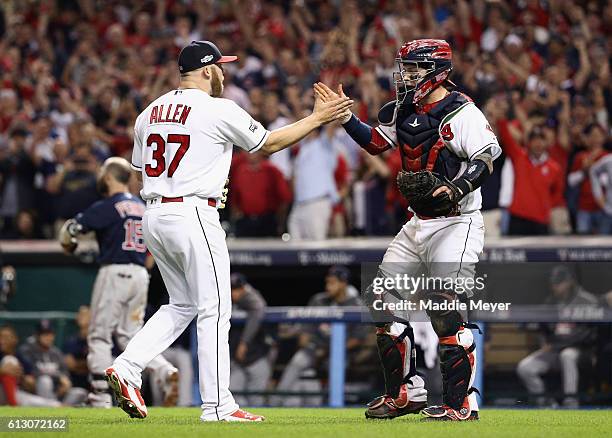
<point>164,200</point>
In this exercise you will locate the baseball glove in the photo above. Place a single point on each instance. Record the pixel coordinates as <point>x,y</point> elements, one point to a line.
<point>418,188</point>
<point>68,235</point>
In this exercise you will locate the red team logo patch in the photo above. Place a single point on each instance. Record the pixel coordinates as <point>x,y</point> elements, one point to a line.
<point>446,133</point>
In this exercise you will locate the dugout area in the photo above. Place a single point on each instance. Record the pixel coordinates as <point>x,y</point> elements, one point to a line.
<point>288,274</point>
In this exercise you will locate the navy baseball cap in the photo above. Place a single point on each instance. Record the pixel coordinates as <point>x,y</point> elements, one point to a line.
<point>237,280</point>
<point>342,273</point>
<point>199,54</point>
<point>44,326</point>
<point>561,274</point>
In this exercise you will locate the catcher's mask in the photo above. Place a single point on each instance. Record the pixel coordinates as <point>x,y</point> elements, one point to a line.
<point>423,65</point>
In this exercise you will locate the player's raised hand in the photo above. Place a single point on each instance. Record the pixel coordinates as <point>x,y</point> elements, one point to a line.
<point>327,94</point>
<point>329,107</point>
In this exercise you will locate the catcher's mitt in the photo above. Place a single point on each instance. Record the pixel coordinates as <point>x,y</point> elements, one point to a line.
<point>418,188</point>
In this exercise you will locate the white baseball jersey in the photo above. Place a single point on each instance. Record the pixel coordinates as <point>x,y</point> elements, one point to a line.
<point>183,146</point>
<point>466,132</point>
<point>183,143</point>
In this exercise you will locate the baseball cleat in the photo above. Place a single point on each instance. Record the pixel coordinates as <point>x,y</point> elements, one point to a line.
<point>170,388</point>
<point>387,408</point>
<point>128,396</point>
<point>243,416</point>
<point>446,413</point>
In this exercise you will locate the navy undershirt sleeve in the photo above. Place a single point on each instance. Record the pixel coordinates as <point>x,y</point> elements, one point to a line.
<point>359,131</point>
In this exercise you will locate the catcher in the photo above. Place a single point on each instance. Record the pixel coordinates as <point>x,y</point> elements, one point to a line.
<point>447,150</point>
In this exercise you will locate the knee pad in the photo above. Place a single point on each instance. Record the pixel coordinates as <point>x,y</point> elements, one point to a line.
<point>444,323</point>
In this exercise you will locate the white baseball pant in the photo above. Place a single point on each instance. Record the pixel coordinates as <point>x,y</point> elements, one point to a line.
<point>310,220</point>
<point>445,247</point>
<point>118,306</point>
<point>188,244</point>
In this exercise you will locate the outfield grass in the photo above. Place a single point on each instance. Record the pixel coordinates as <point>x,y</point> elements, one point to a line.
<point>312,423</point>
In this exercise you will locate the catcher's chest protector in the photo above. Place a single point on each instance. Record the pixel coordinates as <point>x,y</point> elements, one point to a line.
<point>420,144</point>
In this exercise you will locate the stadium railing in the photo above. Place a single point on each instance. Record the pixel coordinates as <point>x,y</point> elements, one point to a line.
<point>339,317</point>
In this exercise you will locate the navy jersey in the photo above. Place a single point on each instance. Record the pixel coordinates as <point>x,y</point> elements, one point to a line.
<point>117,222</point>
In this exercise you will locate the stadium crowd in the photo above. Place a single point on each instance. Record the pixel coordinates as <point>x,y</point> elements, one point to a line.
<point>75,74</point>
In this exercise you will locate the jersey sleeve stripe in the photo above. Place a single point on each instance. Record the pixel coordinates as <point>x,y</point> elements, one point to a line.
<point>261,142</point>
<point>480,150</point>
<point>135,167</point>
<point>385,136</point>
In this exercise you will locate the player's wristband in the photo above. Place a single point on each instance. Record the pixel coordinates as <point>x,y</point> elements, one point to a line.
<point>476,173</point>
<point>358,131</point>
<point>463,186</point>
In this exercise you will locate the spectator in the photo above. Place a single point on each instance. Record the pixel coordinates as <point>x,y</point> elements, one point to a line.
<point>75,350</point>
<point>590,217</point>
<point>15,373</point>
<point>249,346</point>
<point>81,75</point>
<point>537,182</point>
<point>601,182</point>
<point>563,344</point>
<point>49,370</point>
<point>314,188</point>
<point>17,170</point>
<point>26,226</point>
<point>369,196</point>
<point>259,196</point>
<point>76,184</point>
<point>314,340</point>
<point>272,118</point>
<point>42,139</point>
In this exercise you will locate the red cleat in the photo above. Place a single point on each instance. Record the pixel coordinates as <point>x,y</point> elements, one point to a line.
<point>244,416</point>
<point>446,413</point>
<point>128,396</point>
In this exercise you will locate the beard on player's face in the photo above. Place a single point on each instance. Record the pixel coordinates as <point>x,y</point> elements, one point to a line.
<point>216,83</point>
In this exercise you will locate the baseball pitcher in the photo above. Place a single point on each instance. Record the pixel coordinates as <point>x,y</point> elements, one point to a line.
<point>183,145</point>
<point>120,291</point>
<point>447,150</point>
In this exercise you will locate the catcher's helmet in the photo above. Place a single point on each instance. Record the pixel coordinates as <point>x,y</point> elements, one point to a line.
<point>423,66</point>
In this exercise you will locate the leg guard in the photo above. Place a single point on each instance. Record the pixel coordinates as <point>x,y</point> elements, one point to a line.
<point>398,364</point>
<point>404,390</point>
<point>457,355</point>
<point>458,366</point>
